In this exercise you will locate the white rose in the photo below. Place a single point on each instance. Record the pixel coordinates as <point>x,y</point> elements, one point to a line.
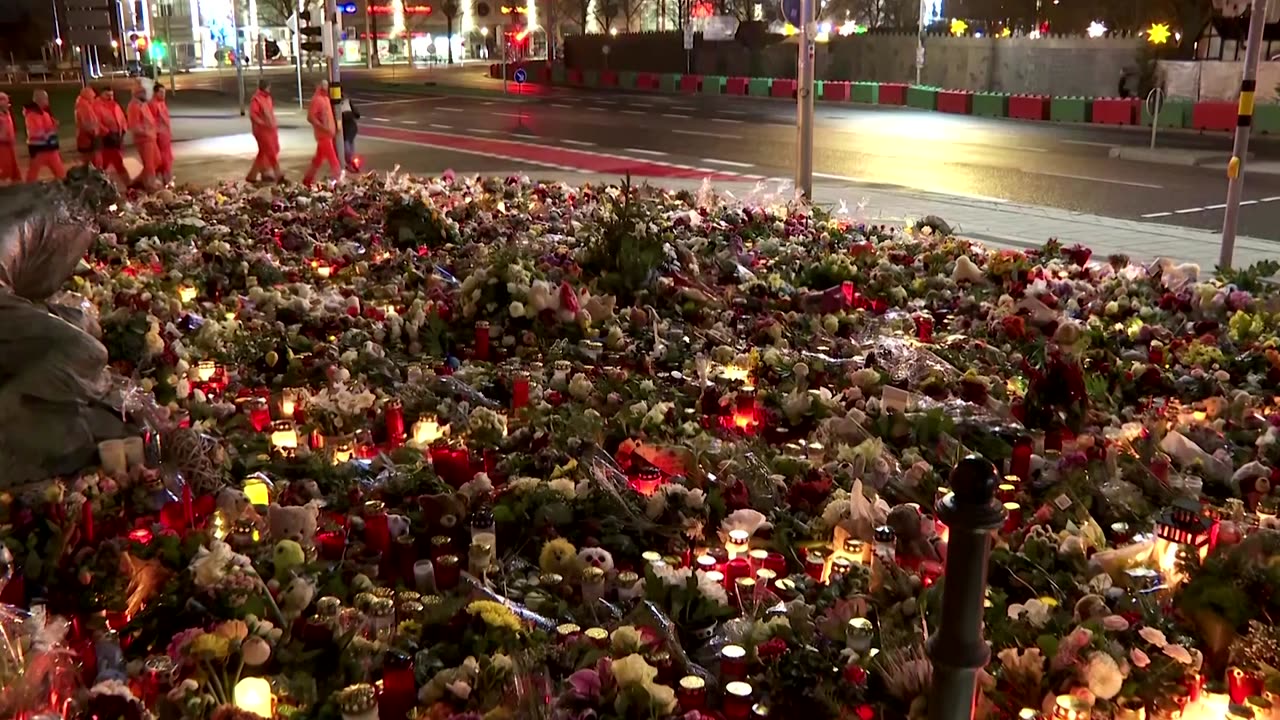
<point>516,309</point>
<point>564,486</point>
<point>580,387</point>
<point>1102,675</point>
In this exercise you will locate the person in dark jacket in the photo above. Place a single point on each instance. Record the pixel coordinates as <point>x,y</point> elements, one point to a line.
<point>350,127</point>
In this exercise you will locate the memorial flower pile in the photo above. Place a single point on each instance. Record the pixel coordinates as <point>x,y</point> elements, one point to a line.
<point>447,449</point>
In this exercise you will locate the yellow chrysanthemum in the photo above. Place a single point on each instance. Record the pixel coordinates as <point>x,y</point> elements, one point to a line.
<point>495,615</point>
<point>211,646</point>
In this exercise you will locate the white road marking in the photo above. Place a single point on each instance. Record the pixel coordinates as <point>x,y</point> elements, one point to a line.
<point>579,143</point>
<point>1158,214</point>
<point>1248,202</point>
<point>597,109</point>
<point>702,133</point>
<point>562,105</point>
<point>483,131</point>
<point>488,102</point>
<point>726,120</point>
<point>677,116</point>
<point>1188,211</point>
<point>514,115</point>
<point>1268,199</point>
<point>633,112</point>
<point>642,104</point>
<point>642,151</point>
<point>397,102</point>
<point>447,109</point>
<point>442,127</point>
<point>382,119</point>
<point>1030,149</point>
<point>1219,206</point>
<point>842,178</point>
<point>681,107</point>
<point>734,112</point>
<point>726,163</point>
<point>409,122</point>
<point>1090,143</point>
<point>1206,208</point>
<point>1109,181</point>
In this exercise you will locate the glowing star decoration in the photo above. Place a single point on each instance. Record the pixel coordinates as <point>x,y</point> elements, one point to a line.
<point>1097,29</point>
<point>1007,32</point>
<point>851,28</point>
<point>959,27</point>
<point>1159,33</point>
<point>790,30</point>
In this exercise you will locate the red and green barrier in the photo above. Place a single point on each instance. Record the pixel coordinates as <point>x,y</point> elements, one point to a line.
<point>1029,107</point>
<point>627,80</point>
<point>713,85</point>
<point>865,92</point>
<point>956,102</point>
<point>647,81</point>
<point>1213,115</point>
<point>736,86</point>
<point>833,91</point>
<point>591,78</point>
<point>609,78</point>
<point>1069,109</point>
<point>783,88</point>
<point>690,83</point>
<point>1174,114</point>
<point>1114,111</point>
<point>669,83</point>
<point>990,105</point>
<point>759,87</point>
<point>922,97</point>
<point>893,94</point>
<point>1266,118</point>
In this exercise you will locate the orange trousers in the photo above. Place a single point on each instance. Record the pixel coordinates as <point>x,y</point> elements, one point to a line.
<point>149,154</point>
<point>268,157</point>
<point>326,153</point>
<point>113,159</point>
<point>9,168</point>
<point>164,145</point>
<point>51,159</point>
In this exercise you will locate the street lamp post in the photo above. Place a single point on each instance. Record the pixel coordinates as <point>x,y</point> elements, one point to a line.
<point>239,61</point>
<point>804,100</point>
<point>1244,120</point>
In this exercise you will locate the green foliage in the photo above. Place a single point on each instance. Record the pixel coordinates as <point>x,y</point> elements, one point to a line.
<point>1252,279</point>
<point>624,255</point>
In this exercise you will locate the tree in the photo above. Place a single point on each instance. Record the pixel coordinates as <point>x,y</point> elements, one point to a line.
<point>276,12</point>
<point>580,13</point>
<point>451,8</point>
<point>1192,17</point>
<point>875,13</point>
<point>606,13</point>
<point>631,10</point>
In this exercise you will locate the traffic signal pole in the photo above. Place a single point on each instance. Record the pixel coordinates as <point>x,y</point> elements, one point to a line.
<point>297,49</point>
<point>804,100</point>
<point>235,28</point>
<point>1244,121</point>
<point>334,29</point>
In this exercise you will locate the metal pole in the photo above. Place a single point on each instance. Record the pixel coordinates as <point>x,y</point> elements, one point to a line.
<point>957,649</point>
<point>1155,102</point>
<point>168,37</point>
<point>335,77</point>
<point>804,100</point>
<point>502,32</point>
<point>1244,120</point>
<point>297,50</point>
<point>235,27</point>
<point>368,33</point>
<point>920,28</point>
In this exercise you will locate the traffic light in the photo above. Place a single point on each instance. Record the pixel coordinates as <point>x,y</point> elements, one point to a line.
<point>158,50</point>
<point>140,43</point>
<point>311,31</point>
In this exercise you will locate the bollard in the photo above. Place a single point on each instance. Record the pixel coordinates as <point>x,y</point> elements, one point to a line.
<point>957,649</point>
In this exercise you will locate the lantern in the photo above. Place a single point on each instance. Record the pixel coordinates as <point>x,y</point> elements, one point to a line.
<point>692,694</point>
<point>733,662</point>
<point>1070,707</point>
<point>343,452</point>
<point>257,488</point>
<point>284,437</point>
<point>737,700</point>
<point>428,430</point>
<point>1181,524</point>
<point>737,544</point>
<point>646,481</point>
<point>253,695</point>
<point>259,414</point>
<point>736,373</point>
<point>205,370</point>
<point>186,294</point>
<point>745,416</point>
<point>288,403</point>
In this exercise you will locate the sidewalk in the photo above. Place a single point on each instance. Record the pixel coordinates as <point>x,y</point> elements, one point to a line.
<point>216,149</point>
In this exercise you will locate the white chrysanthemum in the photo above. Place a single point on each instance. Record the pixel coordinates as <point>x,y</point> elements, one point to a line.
<point>1102,675</point>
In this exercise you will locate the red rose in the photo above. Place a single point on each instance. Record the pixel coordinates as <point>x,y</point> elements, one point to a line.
<point>736,496</point>
<point>810,493</point>
<point>773,648</point>
<point>1078,254</point>
<point>855,675</point>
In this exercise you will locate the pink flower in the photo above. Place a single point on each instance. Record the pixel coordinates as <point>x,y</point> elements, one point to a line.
<point>1139,658</point>
<point>585,684</point>
<point>1115,623</point>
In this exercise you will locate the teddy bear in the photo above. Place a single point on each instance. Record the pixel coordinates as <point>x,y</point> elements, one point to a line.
<point>235,506</point>
<point>296,522</point>
<point>398,524</point>
<point>296,597</point>
<point>909,528</point>
<point>445,510</point>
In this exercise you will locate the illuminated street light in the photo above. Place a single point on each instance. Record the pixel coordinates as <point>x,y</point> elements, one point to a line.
<point>57,41</point>
<point>1097,29</point>
<point>484,31</point>
<point>613,31</point>
<point>114,45</point>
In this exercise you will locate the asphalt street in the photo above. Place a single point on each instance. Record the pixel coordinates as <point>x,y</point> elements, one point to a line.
<point>1059,166</point>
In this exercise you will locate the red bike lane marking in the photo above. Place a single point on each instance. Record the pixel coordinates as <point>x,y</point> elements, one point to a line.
<point>545,155</point>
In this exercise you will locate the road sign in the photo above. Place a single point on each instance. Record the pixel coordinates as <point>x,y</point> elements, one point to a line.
<point>791,11</point>
<point>688,37</point>
<point>520,76</point>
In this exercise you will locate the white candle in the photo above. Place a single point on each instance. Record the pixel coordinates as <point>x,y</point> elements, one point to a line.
<point>424,577</point>
<point>253,694</point>
<point>112,457</point>
<point>134,451</point>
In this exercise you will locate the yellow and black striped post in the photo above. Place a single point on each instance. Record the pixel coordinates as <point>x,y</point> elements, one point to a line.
<point>1244,122</point>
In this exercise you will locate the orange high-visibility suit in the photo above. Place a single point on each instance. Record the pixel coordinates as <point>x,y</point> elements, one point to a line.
<point>262,117</point>
<point>164,138</point>
<point>42,142</point>
<point>88,128</point>
<point>9,169</point>
<point>320,115</point>
<point>113,126</point>
<point>142,126</point>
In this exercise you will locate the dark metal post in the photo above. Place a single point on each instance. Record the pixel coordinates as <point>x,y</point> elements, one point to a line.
<point>957,649</point>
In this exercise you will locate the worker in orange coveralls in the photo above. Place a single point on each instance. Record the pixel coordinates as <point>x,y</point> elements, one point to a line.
<point>164,134</point>
<point>142,126</point>
<point>262,117</point>
<point>88,128</point>
<point>320,115</point>
<point>42,138</point>
<point>112,125</point>
<point>9,170</point>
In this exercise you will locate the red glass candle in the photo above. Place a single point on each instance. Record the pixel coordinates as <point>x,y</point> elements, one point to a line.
<point>1241,684</point>
<point>777,562</point>
<point>692,694</point>
<point>520,391</point>
<point>1013,517</point>
<point>377,531</point>
<point>736,568</point>
<point>1053,440</point>
<point>1006,492</point>
<point>331,544</point>
<point>646,481</point>
<point>441,545</point>
<point>815,565</point>
<point>924,328</point>
<point>259,414</point>
<point>737,700</point>
<point>1160,468</point>
<point>453,465</point>
<point>482,340</point>
<point>733,662</point>
<point>406,554</point>
<point>706,563</point>
<point>447,572</point>
<point>399,693</point>
<point>1020,461</point>
<point>86,514</point>
<point>395,422</point>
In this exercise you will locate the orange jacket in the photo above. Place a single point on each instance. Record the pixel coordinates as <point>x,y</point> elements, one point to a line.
<point>8,136</point>
<point>142,122</point>
<point>87,114</point>
<point>110,117</point>
<point>42,128</point>
<point>262,113</point>
<point>160,109</point>
<point>320,115</point>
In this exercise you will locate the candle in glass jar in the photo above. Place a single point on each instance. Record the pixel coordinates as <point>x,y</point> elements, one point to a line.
<point>259,414</point>
<point>737,544</point>
<point>1070,707</point>
<point>253,695</point>
<point>394,417</point>
<point>1020,460</point>
<point>284,437</point>
<point>692,694</point>
<point>815,565</point>
<point>568,632</point>
<point>736,568</point>
<point>744,591</point>
<point>482,340</point>
<point>520,391</point>
<point>924,327</point>
<point>737,700</point>
<point>427,430</point>
<point>1013,517</point>
<point>628,586</point>
<point>646,481</point>
<point>592,584</point>
<point>447,572</point>
<point>705,563</point>
<point>424,576</point>
<point>858,635</point>
<point>377,529</point>
<point>399,693</point>
<point>733,662</point>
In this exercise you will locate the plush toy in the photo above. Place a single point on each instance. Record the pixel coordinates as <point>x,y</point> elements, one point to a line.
<point>234,506</point>
<point>909,529</point>
<point>399,525</point>
<point>595,557</point>
<point>559,556</point>
<point>296,597</point>
<point>288,556</point>
<point>297,523</point>
<point>445,510</point>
